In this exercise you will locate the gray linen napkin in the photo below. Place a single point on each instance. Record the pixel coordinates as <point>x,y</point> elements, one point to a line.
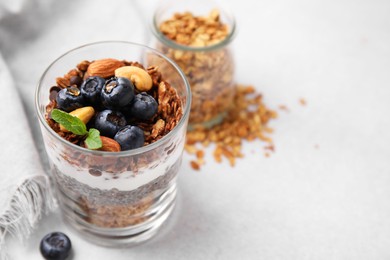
<point>25,193</point>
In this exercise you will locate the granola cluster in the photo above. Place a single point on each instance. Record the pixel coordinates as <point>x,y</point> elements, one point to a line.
<point>248,121</point>
<point>210,72</point>
<point>117,215</point>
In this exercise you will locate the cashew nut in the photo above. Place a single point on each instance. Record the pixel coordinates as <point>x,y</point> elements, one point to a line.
<point>140,78</point>
<point>84,114</point>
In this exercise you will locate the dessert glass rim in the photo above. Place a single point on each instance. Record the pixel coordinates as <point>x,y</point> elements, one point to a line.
<point>140,150</point>
<point>172,44</point>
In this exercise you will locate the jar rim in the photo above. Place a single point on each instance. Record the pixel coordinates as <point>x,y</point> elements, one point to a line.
<point>172,44</point>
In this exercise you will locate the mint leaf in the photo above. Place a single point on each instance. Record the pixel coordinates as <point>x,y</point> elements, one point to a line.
<point>93,140</point>
<point>71,123</point>
<point>76,126</point>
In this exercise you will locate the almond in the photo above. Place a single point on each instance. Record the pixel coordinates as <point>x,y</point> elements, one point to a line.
<point>104,68</point>
<point>109,145</point>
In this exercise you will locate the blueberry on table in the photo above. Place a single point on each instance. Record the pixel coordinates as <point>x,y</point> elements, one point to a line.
<point>130,137</point>
<point>108,122</point>
<point>117,93</point>
<point>91,89</point>
<point>55,246</point>
<point>69,99</point>
<point>143,107</point>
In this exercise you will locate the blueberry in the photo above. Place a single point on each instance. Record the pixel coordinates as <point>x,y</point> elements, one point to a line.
<point>91,89</point>
<point>55,246</point>
<point>117,93</point>
<point>108,122</point>
<point>143,107</point>
<point>130,137</point>
<point>69,99</point>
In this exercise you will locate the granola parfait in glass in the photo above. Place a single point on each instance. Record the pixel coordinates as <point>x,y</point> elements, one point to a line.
<point>113,117</point>
<point>197,35</point>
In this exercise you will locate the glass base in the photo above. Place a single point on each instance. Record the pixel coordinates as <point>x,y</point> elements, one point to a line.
<point>128,236</point>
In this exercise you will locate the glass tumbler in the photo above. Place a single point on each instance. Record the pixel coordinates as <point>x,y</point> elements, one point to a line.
<point>115,198</point>
<point>207,62</point>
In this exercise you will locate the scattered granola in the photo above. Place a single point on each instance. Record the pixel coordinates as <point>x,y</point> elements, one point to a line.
<point>195,165</point>
<point>247,121</point>
<point>302,101</point>
<point>210,72</point>
<point>284,108</point>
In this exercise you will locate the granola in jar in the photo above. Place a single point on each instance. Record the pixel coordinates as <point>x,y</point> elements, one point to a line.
<point>200,45</point>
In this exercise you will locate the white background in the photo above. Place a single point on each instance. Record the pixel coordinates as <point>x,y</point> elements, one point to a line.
<point>323,194</point>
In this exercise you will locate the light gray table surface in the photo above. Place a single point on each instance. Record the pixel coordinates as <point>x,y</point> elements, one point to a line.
<point>325,191</point>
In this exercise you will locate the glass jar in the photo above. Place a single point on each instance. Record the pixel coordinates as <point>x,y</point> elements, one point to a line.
<point>197,35</point>
<point>115,198</point>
